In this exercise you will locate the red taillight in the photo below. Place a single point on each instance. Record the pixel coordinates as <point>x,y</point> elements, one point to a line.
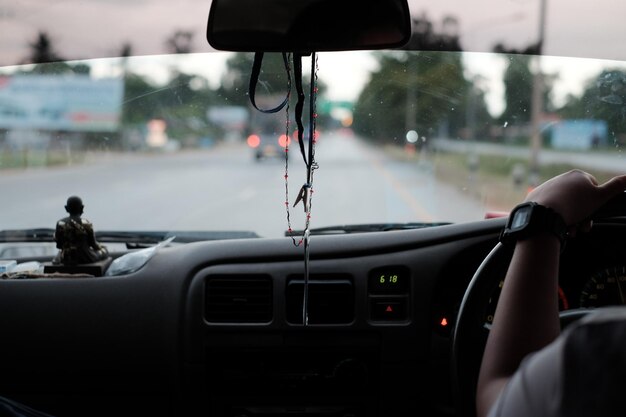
<point>254,141</point>
<point>284,140</point>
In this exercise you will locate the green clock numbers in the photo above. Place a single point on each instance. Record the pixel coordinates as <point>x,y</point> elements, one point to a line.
<point>389,280</point>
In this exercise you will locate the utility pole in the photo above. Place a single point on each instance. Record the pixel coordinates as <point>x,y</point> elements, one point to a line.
<point>410,117</point>
<point>537,103</point>
<point>473,94</point>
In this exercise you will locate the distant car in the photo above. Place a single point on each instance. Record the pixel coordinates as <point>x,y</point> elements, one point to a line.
<point>267,145</point>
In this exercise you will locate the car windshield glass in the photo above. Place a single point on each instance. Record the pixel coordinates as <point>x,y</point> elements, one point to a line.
<point>170,142</point>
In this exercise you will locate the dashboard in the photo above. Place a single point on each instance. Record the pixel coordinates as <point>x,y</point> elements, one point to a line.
<point>593,271</point>
<point>592,274</point>
<point>216,328</point>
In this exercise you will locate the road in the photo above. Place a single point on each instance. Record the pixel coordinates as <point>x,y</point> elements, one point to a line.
<point>225,189</point>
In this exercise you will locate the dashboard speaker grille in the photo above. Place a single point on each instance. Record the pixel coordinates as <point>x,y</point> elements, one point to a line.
<point>239,299</point>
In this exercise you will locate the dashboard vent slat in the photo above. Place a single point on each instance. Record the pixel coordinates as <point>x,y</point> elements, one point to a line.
<point>239,299</point>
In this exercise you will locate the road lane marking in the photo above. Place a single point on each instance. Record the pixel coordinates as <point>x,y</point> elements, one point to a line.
<point>405,195</point>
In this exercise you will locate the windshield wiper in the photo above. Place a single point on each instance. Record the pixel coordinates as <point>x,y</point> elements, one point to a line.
<point>180,236</point>
<point>364,228</point>
<point>127,237</point>
<point>27,235</point>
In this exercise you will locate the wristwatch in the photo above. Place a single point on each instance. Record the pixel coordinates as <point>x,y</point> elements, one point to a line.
<point>530,219</point>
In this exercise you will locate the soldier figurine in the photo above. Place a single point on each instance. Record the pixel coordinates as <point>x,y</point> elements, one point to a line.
<point>76,239</point>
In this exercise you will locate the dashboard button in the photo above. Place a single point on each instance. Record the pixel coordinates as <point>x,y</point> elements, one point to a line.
<point>388,310</point>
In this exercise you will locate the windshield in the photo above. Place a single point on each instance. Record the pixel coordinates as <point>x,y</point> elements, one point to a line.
<point>171,143</point>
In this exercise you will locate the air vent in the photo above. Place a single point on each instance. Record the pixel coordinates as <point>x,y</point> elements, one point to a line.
<point>331,300</point>
<point>239,299</point>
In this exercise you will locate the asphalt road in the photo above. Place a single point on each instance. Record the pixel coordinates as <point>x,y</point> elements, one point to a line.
<point>225,189</point>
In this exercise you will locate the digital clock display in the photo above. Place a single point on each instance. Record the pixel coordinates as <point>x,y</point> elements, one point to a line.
<point>389,280</point>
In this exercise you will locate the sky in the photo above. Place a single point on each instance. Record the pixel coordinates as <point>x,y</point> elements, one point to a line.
<point>573,28</point>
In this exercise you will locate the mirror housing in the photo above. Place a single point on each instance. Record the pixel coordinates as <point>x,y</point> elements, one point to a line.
<point>306,26</point>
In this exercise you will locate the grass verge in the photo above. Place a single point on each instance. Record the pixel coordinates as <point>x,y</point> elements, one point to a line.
<point>489,178</point>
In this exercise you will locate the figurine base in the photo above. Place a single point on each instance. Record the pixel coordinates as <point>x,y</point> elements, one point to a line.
<point>96,269</point>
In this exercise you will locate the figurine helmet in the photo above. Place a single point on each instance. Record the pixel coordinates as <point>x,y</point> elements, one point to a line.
<point>74,205</point>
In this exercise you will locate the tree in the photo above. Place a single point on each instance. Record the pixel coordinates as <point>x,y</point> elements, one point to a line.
<point>424,89</point>
<point>126,50</point>
<point>140,102</point>
<point>604,98</point>
<point>273,81</point>
<point>236,79</point>
<point>82,69</point>
<point>182,102</point>
<point>425,37</point>
<point>518,81</point>
<point>42,50</point>
<point>44,55</point>
<point>518,85</point>
<point>180,42</point>
<point>384,105</point>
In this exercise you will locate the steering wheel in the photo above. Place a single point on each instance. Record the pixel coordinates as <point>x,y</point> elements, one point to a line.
<point>471,330</point>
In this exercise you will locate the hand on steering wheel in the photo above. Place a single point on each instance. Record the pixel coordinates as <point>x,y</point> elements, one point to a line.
<point>578,198</point>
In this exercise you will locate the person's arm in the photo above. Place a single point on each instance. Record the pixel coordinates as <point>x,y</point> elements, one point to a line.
<point>526,317</point>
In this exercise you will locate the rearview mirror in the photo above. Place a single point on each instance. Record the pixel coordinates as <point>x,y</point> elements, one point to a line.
<point>308,25</point>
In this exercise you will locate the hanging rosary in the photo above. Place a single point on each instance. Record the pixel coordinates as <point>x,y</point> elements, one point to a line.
<point>305,195</point>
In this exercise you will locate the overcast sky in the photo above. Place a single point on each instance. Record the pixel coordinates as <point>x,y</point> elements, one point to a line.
<point>100,27</point>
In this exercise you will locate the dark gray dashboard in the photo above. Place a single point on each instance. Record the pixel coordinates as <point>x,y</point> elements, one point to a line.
<point>215,328</point>
<point>152,342</point>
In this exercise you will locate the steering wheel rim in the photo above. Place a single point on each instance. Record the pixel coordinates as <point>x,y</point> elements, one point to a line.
<point>470,333</point>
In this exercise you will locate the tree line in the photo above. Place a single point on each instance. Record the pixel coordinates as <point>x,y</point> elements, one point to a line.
<point>428,91</point>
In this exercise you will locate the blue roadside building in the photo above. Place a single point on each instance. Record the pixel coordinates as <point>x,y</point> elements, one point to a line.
<point>579,134</point>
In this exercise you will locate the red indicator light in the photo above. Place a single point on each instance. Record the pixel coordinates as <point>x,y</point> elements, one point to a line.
<point>254,141</point>
<point>389,309</point>
<point>444,322</point>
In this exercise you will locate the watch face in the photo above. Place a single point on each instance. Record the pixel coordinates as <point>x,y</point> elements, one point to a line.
<point>521,217</point>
